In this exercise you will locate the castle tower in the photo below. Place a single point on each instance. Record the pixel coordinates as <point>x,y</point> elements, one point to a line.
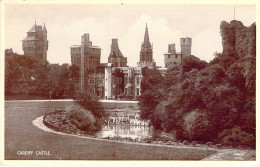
<point>45,42</point>
<point>36,43</point>
<point>116,58</point>
<point>172,58</point>
<point>89,59</point>
<point>171,48</point>
<point>185,46</point>
<point>146,53</point>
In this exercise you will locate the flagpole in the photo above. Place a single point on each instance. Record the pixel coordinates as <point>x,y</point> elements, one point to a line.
<point>234,12</point>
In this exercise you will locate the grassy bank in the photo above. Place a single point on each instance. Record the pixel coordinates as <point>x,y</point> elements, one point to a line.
<point>31,97</point>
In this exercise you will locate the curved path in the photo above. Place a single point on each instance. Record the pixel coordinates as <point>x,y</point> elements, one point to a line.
<point>25,141</point>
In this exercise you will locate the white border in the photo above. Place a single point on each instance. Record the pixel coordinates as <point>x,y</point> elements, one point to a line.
<point>114,163</point>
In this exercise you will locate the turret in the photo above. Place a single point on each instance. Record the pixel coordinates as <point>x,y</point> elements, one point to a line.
<point>115,51</point>
<point>36,43</point>
<point>44,28</point>
<point>116,58</point>
<point>171,48</point>
<point>185,46</point>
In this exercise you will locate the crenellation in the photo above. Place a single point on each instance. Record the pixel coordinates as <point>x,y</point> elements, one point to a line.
<point>115,79</point>
<point>173,58</point>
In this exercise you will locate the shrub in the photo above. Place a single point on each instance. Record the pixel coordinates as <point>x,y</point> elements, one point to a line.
<point>209,144</point>
<point>90,103</point>
<point>81,118</point>
<point>236,137</point>
<point>194,143</point>
<point>198,127</point>
<point>185,142</point>
<point>129,97</point>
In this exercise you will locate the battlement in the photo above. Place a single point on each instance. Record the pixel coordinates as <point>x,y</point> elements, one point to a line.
<point>146,64</point>
<point>186,41</point>
<point>171,48</point>
<point>85,40</point>
<point>186,46</point>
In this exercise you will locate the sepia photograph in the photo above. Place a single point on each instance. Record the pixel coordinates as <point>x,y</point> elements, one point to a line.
<point>128,81</point>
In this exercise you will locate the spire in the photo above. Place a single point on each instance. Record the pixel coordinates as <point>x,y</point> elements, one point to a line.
<point>44,28</point>
<point>146,43</point>
<point>35,22</point>
<point>146,35</point>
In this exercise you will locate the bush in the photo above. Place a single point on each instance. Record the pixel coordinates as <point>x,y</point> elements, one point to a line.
<point>81,118</point>
<point>198,127</point>
<point>90,103</point>
<point>129,97</point>
<point>236,137</point>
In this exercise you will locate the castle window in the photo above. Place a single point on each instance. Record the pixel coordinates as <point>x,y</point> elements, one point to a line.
<point>169,56</point>
<point>126,79</point>
<point>176,56</point>
<point>183,40</point>
<point>137,80</point>
<point>137,92</point>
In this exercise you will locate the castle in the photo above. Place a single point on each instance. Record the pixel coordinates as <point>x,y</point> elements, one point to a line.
<point>172,58</point>
<point>114,80</point>
<point>36,43</point>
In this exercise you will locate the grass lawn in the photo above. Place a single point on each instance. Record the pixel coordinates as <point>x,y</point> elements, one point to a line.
<point>22,135</point>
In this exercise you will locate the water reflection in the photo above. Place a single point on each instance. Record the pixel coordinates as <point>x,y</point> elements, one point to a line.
<point>123,131</point>
<point>125,125</point>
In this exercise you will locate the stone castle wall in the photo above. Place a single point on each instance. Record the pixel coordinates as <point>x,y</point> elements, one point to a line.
<point>238,39</point>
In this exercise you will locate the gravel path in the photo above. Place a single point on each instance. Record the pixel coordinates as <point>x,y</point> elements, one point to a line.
<point>233,155</point>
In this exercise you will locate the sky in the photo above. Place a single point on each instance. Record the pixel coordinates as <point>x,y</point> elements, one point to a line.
<point>167,23</point>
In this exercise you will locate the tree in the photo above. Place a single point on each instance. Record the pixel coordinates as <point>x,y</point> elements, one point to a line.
<point>90,103</point>
<point>191,62</point>
<point>74,77</point>
<point>118,76</point>
<point>30,76</point>
<point>197,126</point>
<point>151,92</point>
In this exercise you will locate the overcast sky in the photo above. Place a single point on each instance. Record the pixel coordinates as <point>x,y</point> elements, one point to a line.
<point>166,24</point>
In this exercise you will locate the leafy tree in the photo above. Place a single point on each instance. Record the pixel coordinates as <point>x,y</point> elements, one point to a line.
<point>30,76</point>
<point>151,92</point>
<point>191,62</point>
<point>118,76</point>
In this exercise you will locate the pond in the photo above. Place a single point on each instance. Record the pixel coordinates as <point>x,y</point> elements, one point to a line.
<point>125,125</point>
